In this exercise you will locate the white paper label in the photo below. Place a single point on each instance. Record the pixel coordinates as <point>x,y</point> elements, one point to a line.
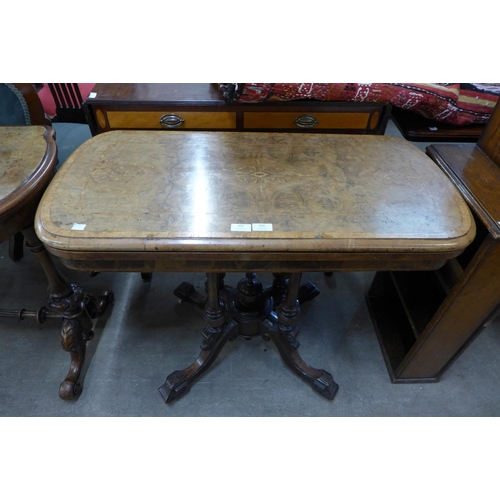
<point>78,227</point>
<point>92,95</point>
<point>241,227</point>
<point>262,227</point>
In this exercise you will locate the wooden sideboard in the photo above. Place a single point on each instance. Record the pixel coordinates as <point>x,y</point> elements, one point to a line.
<point>200,106</point>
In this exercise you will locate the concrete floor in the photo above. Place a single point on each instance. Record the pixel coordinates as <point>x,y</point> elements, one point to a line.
<point>147,334</point>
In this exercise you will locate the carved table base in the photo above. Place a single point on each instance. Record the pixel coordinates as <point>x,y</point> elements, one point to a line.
<point>77,311</point>
<point>248,311</point>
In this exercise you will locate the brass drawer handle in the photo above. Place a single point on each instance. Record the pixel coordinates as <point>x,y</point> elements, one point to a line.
<point>306,121</point>
<point>171,121</point>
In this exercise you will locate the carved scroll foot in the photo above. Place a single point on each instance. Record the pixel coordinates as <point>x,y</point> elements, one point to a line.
<point>96,306</point>
<point>73,341</point>
<point>278,290</point>
<point>180,381</point>
<point>76,331</point>
<point>308,291</point>
<point>186,292</point>
<point>320,380</point>
<point>69,390</point>
<point>78,311</point>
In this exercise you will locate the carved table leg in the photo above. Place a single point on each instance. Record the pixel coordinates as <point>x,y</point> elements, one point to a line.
<point>187,292</point>
<point>217,332</point>
<point>283,332</point>
<point>16,247</point>
<point>76,330</point>
<point>76,309</point>
<point>278,289</point>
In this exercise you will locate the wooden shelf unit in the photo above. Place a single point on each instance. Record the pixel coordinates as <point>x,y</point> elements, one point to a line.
<point>425,321</point>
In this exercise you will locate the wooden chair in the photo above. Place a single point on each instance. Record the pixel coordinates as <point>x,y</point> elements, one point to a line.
<point>68,100</point>
<point>20,105</point>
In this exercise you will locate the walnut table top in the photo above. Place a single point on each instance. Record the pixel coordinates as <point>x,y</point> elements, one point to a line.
<point>28,156</point>
<point>199,197</point>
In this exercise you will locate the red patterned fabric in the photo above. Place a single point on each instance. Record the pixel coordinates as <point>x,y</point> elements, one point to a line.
<point>453,103</point>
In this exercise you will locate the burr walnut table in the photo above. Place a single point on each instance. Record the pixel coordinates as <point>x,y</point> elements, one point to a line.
<point>220,202</point>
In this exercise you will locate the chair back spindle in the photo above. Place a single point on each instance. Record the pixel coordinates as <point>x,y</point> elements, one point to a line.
<point>68,100</point>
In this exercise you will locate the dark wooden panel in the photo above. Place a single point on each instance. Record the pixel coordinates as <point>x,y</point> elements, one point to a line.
<point>204,94</point>
<point>490,140</point>
<point>477,177</point>
<point>417,128</point>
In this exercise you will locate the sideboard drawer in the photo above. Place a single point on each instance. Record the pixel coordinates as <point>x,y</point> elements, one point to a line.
<point>166,120</point>
<point>314,120</point>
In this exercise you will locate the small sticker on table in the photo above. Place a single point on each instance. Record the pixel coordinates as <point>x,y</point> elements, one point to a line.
<point>78,227</point>
<point>241,227</point>
<point>92,95</point>
<point>262,227</point>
